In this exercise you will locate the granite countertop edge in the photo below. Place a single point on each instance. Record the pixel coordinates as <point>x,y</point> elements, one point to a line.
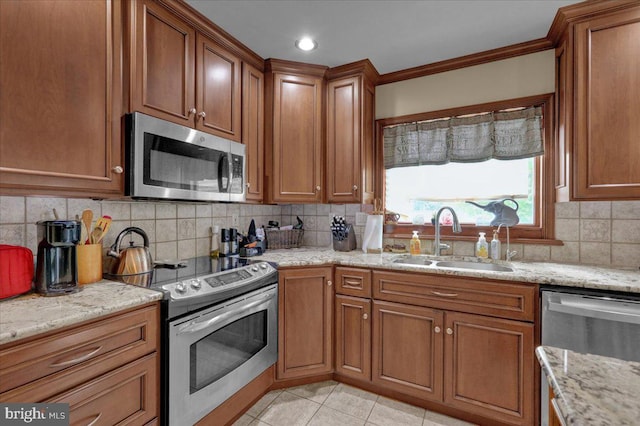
<point>95,300</point>
<point>592,389</point>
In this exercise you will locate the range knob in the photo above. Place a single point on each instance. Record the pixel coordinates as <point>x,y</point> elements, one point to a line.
<point>181,287</point>
<point>263,265</point>
<point>196,284</point>
<point>254,268</point>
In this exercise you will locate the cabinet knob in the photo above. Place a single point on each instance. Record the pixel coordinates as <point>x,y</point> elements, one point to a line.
<point>318,188</point>
<point>365,316</point>
<point>355,187</point>
<point>329,283</point>
<point>202,114</point>
<point>449,330</point>
<point>248,185</point>
<point>117,169</point>
<point>437,329</point>
<point>192,111</point>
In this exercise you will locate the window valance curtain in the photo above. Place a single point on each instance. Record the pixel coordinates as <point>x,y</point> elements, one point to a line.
<point>504,135</point>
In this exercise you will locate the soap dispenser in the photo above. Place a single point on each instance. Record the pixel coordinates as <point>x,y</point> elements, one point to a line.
<point>496,250</point>
<point>414,244</point>
<point>482,248</point>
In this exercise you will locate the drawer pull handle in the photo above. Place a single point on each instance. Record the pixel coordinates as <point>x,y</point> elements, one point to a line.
<point>95,420</point>
<point>352,282</point>
<point>437,293</point>
<point>76,360</point>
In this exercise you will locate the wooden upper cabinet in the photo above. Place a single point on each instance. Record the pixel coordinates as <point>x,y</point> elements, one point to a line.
<point>218,90</point>
<point>598,102</point>
<point>294,136</point>
<point>163,69</point>
<point>350,136</point>
<point>181,75</point>
<point>61,97</point>
<point>253,129</point>
<point>607,108</point>
<point>305,322</point>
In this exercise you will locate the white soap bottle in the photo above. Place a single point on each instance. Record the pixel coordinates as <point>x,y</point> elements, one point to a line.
<point>496,250</point>
<point>482,248</point>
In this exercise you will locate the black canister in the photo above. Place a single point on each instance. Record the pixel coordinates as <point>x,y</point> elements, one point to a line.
<point>56,267</point>
<point>225,242</point>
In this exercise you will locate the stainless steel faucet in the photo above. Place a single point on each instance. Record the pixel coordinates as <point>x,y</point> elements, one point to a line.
<point>437,246</point>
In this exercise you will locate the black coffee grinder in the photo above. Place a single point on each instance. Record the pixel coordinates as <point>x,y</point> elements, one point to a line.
<point>56,268</point>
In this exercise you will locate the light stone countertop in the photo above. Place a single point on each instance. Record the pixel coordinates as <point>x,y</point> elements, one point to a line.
<point>590,389</point>
<point>33,314</point>
<point>582,276</point>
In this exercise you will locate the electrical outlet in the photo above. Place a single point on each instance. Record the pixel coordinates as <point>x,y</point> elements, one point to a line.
<point>361,219</point>
<point>235,221</point>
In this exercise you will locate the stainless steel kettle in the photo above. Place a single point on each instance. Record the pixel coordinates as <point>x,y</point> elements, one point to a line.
<point>133,259</point>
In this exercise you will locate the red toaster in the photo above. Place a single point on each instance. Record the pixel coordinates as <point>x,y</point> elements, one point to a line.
<point>16,270</point>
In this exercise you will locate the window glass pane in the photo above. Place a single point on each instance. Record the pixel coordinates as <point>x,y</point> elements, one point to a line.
<point>418,192</point>
<point>219,353</point>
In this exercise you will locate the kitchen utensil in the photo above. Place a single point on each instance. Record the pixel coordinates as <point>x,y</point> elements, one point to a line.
<point>133,259</point>
<point>84,234</point>
<point>87,218</point>
<point>104,223</point>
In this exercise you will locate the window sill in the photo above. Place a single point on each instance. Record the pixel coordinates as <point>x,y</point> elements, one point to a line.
<point>518,235</point>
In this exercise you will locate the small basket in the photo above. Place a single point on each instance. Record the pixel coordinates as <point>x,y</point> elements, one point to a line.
<point>284,239</point>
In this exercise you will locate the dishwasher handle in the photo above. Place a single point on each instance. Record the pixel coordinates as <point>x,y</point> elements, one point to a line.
<point>595,308</point>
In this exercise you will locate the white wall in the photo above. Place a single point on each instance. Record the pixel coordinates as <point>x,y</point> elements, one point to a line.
<point>517,77</point>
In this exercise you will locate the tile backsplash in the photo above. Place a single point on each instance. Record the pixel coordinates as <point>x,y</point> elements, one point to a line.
<point>595,233</point>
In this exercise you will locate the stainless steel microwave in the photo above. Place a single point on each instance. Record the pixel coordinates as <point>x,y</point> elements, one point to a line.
<point>169,161</point>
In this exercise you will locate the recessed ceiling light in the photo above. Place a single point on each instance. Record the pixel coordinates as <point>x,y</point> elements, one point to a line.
<point>306,44</point>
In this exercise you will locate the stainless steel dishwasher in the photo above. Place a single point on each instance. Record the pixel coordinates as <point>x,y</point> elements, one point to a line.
<point>589,322</point>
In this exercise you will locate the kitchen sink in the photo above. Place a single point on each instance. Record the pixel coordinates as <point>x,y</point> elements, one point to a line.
<point>452,264</point>
<point>475,266</point>
<point>414,260</point>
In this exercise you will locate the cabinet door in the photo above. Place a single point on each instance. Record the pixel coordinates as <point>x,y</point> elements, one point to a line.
<point>163,66</point>
<point>305,322</point>
<point>60,98</point>
<point>407,349</point>
<point>607,129</point>
<point>218,90</point>
<point>344,140</point>
<point>297,139</point>
<point>253,129</point>
<point>353,337</point>
<point>489,367</point>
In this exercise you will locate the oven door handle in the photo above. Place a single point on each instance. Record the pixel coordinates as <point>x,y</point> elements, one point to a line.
<point>195,326</point>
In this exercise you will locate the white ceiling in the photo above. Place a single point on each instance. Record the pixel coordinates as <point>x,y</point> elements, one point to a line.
<point>394,35</point>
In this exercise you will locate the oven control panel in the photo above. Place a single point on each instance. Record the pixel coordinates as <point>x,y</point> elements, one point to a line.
<point>198,286</point>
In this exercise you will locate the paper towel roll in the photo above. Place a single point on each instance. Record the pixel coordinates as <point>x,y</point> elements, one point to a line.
<point>372,240</point>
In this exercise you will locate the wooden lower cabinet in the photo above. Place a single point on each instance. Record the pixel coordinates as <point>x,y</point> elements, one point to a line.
<point>407,349</point>
<point>107,370</point>
<point>489,367</point>
<point>353,337</point>
<point>305,322</point>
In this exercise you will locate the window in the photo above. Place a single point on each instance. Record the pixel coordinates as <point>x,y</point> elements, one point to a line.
<point>417,191</point>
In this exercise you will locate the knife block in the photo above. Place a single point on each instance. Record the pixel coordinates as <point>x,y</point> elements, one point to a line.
<point>348,244</point>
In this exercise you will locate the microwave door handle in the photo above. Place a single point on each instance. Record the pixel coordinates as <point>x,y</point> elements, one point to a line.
<point>196,326</point>
<point>230,170</point>
<point>592,310</point>
<point>224,161</point>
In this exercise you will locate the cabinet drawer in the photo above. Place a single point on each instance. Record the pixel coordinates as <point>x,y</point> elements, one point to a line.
<point>353,282</point>
<point>76,355</point>
<point>126,396</point>
<point>499,299</point>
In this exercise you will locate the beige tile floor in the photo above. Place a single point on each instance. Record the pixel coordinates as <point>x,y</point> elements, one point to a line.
<point>335,404</point>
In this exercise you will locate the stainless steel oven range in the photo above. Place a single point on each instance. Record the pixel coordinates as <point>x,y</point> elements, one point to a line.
<point>220,324</point>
